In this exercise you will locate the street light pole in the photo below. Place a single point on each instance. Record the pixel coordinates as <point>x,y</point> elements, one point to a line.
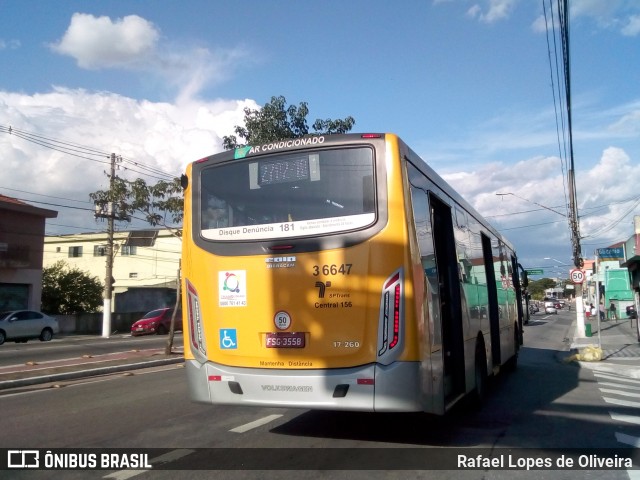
<point>598,299</point>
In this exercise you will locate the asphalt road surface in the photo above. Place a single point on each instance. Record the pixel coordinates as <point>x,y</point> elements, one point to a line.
<point>546,404</point>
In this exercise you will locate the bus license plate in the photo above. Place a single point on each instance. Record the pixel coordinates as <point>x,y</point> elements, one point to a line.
<point>285,340</point>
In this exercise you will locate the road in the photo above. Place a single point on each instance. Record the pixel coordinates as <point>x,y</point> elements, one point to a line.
<point>78,345</point>
<point>545,404</point>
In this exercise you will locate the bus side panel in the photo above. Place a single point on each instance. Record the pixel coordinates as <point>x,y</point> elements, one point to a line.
<point>185,264</point>
<point>197,380</point>
<point>430,361</point>
<point>508,303</point>
<point>398,388</point>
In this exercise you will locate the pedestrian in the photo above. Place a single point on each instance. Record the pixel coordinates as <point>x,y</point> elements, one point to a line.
<point>601,308</point>
<point>612,311</point>
<point>592,310</point>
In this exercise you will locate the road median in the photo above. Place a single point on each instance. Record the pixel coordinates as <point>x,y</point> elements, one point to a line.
<point>34,373</point>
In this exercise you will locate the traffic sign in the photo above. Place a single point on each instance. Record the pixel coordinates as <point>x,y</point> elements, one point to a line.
<point>577,275</point>
<point>534,271</point>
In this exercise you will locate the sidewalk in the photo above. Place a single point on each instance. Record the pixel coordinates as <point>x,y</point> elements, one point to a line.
<point>617,339</point>
<point>34,373</point>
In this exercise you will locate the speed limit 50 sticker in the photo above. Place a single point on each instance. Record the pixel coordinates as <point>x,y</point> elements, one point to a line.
<point>282,320</point>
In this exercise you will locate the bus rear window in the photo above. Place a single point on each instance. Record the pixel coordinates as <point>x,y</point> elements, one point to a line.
<point>291,195</point>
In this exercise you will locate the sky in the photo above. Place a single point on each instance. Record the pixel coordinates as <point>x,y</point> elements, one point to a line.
<point>471,85</point>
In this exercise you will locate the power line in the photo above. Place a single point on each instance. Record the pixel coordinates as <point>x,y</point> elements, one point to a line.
<point>562,10</point>
<point>43,195</point>
<point>84,152</point>
<point>560,124</point>
<point>53,204</point>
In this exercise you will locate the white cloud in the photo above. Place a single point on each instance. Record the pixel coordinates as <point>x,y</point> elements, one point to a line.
<point>495,11</point>
<point>98,42</point>
<point>169,135</point>
<point>621,15</point>
<point>165,136</point>
<point>627,125</point>
<point>632,28</point>
<point>532,215</point>
<point>9,45</point>
<point>133,43</point>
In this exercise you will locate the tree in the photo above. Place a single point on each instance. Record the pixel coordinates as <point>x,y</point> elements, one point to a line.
<point>160,203</point>
<point>537,287</point>
<point>275,121</point>
<point>67,290</point>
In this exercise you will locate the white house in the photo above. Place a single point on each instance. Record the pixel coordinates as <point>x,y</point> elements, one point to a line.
<point>142,258</point>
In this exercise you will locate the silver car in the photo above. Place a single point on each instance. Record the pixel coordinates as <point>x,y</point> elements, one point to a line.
<point>21,325</point>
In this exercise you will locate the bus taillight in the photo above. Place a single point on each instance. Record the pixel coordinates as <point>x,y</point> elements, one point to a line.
<point>195,321</point>
<point>390,314</point>
<point>396,316</point>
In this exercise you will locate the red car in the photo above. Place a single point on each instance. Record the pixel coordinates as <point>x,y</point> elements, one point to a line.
<point>157,321</point>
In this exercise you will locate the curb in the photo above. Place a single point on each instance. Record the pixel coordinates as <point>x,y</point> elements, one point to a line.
<point>54,377</point>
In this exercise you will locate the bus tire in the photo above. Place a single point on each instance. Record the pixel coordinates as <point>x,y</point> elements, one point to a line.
<point>512,364</point>
<point>480,390</point>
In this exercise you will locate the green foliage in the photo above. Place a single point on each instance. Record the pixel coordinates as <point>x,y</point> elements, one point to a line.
<point>275,121</point>
<point>161,204</point>
<point>67,290</point>
<point>537,287</point>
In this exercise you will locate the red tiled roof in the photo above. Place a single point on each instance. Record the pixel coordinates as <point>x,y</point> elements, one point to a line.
<point>5,199</point>
<point>10,203</point>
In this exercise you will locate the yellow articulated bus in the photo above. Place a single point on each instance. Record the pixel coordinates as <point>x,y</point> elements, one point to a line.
<point>341,272</point>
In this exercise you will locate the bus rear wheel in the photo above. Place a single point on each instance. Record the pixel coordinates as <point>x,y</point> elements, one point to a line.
<point>479,393</point>
<point>512,363</point>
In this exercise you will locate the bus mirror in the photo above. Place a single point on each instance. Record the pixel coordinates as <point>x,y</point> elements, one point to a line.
<point>184,181</point>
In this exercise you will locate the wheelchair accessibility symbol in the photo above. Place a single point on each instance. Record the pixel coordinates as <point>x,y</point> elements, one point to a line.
<point>228,339</point>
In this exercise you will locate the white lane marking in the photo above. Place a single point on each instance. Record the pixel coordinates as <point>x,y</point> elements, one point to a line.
<point>164,458</point>
<point>618,380</point>
<point>624,403</point>
<point>625,418</point>
<point>619,392</point>
<point>617,377</point>
<point>628,439</point>
<point>619,371</point>
<point>619,385</point>
<point>258,423</point>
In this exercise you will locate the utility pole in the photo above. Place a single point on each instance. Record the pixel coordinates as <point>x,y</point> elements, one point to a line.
<point>109,212</point>
<point>574,223</point>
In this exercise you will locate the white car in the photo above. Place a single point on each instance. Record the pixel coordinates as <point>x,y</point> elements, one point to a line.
<point>550,309</point>
<point>21,325</point>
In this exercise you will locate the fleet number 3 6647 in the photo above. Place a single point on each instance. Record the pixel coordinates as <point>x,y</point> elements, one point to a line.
<point>342,269</point>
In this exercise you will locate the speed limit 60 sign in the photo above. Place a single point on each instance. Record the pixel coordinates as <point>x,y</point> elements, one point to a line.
<point>577,275</point>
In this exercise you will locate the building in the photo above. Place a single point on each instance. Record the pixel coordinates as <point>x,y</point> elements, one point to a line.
<point>615,277</point>
<point>632,261</point>
<point>22,228</point>
<point>145,266</point>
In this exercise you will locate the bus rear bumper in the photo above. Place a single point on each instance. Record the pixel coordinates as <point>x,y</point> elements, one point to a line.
<point>373,387</point>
